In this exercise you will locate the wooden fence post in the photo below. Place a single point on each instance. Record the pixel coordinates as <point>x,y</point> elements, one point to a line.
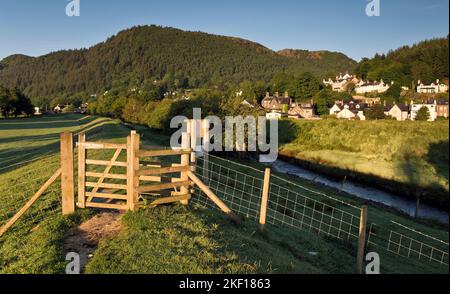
<point>81,203</point>
<point>214,198</point>
<point>361,240</point>
<point>67,181</point>
<point>185,161</point>
<point>264,199</point>
<point>133,142</point>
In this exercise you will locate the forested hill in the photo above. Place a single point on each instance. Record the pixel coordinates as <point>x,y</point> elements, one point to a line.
<point>425,61</point>
<point>144,54</point>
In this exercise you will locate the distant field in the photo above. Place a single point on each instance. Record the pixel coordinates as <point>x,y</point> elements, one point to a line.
<point>412,154</point>
<point>172,239</point>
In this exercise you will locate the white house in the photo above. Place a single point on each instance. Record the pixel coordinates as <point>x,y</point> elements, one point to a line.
<point>431,89</point>
<point>340,83</point>
<point>37,111</point>
<point>275,115</point>
<point>336,109</point>
<point>398,111</point>
<point>432,109</point>
<point>59,108</point>
<point>248,104</point>
<point>376,87</point>
<point>351,110</point>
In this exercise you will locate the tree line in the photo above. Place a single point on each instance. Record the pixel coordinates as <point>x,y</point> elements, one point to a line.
<point>148,56</point>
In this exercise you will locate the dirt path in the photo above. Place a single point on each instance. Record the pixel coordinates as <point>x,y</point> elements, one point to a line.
<point>84,239</point>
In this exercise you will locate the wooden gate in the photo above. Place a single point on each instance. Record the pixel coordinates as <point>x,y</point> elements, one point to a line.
<point>142,178</point>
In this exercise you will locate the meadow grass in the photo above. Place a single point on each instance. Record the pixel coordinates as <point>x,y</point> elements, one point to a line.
<point>170,239</point>
<point>411,157</point>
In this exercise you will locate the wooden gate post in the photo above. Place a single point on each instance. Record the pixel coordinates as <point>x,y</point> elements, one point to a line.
<point>81,203</point>
<point>185,161</point>
<point>264,199</point>
<point>133,142</point>
<point>67,181</point>
<point>362,240</point>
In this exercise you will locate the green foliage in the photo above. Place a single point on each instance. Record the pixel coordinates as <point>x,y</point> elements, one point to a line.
<point>326,98</point>
<point>423,114</point>
<point>375,112</point>
<point>301,87</point>
<point>394,92</point>
<point>14,103</point>
<point>425,61</point>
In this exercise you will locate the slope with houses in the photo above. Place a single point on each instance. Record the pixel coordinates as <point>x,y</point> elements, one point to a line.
<point>282,106</point>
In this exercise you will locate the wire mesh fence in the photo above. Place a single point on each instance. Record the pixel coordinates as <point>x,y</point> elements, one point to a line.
<point>16,190</point>
<point>409,243</point>
<point>240,187</point>
<point>293,205</point>
<point>291,208</point>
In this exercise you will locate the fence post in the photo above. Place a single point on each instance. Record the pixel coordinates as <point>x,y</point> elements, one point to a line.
<point>361,240</point>
<point>67,181</point>
<point>185,161</point>
<point>81,203</point>
<point>264,199</point>
<point>133,142</point>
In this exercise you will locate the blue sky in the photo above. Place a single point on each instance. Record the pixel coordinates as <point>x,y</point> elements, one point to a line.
<point>37,27</point>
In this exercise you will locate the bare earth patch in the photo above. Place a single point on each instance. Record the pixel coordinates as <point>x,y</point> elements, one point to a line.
<point>84,239</point>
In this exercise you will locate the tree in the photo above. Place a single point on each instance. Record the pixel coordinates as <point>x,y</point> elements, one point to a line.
<point>13,102</point>
<point>375,113</point>
<point>394,92</point>
<point>304,87</point>
<point>326,98</point>
<point>423,114</point>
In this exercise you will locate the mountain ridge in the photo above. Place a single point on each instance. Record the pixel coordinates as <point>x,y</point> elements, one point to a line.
<point>143,54</point>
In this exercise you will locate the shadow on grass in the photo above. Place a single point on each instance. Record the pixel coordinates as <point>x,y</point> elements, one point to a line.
<point>438,157</point>
<point>11,158</point>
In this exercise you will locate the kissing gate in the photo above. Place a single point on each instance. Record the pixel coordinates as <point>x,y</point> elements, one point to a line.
<point>131,177</point>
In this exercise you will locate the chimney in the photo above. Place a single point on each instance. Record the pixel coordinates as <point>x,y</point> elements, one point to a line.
<point>286,94</point>
<point>267,94</point>
<point>277,94</point>
<point>419,82</point>
<point>437,82</point>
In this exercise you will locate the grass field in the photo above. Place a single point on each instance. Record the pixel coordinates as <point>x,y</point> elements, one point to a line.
<point>171,239</point>
<point>410,157</point>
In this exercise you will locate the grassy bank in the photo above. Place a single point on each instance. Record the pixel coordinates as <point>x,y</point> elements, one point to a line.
<point>409,157</point>
<point>172,239</point>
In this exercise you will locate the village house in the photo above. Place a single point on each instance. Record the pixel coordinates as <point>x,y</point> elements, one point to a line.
<point>341,82</point>
<point>82,109</point>
<point>431,89</point>
<point>301,111</point>
<point>37,111</point>
<point>59,108</point>
<point>398,111</point>
<point>351,110</point>
<point>376,87</point>
<point>442,109</point>
<point>367,100</point>
<point>432,109</point>
<point>276,102</point>
<point>275,115</point>
<point>249,104</point>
